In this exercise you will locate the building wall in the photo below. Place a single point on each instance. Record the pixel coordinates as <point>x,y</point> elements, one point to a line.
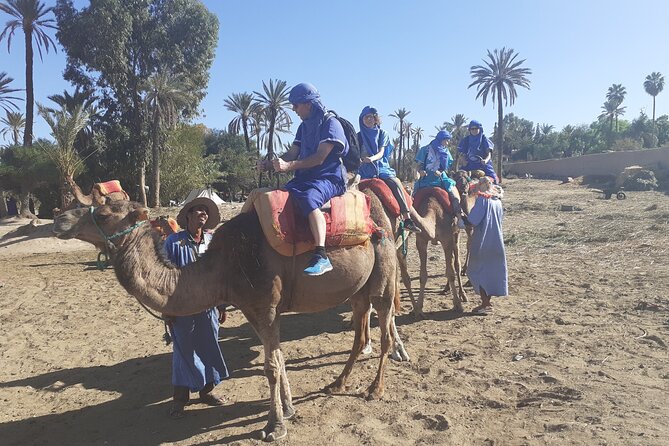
<point>611,163</point>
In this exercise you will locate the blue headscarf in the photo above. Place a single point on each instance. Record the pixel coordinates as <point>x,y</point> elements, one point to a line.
<point>442,136</point>
<point>369,135</point>
<point>475,145</point>
<point>475,124</point>
<point>305,93</point>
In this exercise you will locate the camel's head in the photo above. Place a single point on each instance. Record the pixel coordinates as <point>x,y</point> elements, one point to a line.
<point>462,183</point>
<point>95,224</point>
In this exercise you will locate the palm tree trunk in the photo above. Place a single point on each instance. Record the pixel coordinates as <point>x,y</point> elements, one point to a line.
<point>500,138</point>
<point>4,211</point>
<point>155,151</point>
<point>653,109</point>
<point>24,199</point>
<point>246,136</point>
<point>30,94</point>
<point>142,182</point>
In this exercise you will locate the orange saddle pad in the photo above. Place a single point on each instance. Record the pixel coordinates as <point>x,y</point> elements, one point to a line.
<point>348,222</point>
<point>109,187</point>
<point>440,194</point>
<point>381,190</point>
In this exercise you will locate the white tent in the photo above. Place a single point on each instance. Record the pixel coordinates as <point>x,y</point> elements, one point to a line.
<point>209,193</point>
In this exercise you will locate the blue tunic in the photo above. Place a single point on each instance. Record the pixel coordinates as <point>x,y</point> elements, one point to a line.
<point>312,188</point>
<point>476,148</point>
<point>431,159</point>
<point>487,257</point>
<point>197,359</point>
<point>381,167</point>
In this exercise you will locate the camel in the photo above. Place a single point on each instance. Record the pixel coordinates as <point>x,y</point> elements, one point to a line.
<point>164,225</point>
<point>242,270</point>
<point>96,197</point>
<point>447,233</point>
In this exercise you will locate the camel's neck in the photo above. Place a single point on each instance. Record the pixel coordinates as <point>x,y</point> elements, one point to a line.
<point>84,200</point>
<point>146,274</point>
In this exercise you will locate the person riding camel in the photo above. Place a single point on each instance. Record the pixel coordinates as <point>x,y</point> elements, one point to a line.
<point>315,156</point>
<point>477,149</point>
<point>433,160</point>
<point>375,163</point>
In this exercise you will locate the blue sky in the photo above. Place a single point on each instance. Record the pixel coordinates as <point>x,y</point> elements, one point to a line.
<point>417,55</point>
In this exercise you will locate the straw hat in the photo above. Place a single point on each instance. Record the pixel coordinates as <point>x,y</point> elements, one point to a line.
<point>486,187</point>
<point>212,211</point>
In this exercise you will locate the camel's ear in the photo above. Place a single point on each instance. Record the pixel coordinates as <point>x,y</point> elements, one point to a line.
<point>139,214</point>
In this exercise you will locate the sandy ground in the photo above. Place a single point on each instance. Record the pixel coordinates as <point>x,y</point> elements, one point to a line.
<point>587,323</point>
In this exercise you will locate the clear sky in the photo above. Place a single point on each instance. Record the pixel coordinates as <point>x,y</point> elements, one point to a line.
<point>417,55</point>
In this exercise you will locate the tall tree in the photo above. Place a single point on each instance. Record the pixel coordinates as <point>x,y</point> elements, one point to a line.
<point>401,114</point>
<point>274,101</point>
<point>6,100</point>
<point>166,98</point>
<point>616,93</point>
<point>114,46</point>
<point>417,135</point>
<point>13,123</point>
<point>65,126</point>
<point>243,105</point>
<point>654,84</point>
<point>498,78</point>
<point>30,15</point>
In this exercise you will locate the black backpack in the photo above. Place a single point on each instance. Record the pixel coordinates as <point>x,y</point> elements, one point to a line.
<point>351,159</point>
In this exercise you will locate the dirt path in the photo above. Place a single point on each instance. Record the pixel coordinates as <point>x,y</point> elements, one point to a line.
<point>588,319</point>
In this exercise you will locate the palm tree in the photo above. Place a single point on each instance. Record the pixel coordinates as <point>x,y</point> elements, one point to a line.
<point>498,78</point>
<point>654,84</point>
<point>611,111</point>
<point>457,126</point>
<point>243,105</point>
<point>616,93</point>
<point>14,123</point>
<point>166,97</point>
<point>546,129</point>
<point>30,16</point>
<point>417,135</point>
<point>70,101</point>
<point>7,101</point>
<point>400,114</point>
<point>65,126</point>
<point>273,101</point>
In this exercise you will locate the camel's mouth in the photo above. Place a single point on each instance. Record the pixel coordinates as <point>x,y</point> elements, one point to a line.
<point>63,226</point>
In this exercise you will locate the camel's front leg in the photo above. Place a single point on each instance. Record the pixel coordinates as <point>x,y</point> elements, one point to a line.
<point>406,277</point>
<point>398,352</point>
<point>447,244</point>
<point>384,311</point>
<point>275,373</point>
<point>286,395</point>
<point>421,247</point>
<point>456,260</point>
<point>360,322</point>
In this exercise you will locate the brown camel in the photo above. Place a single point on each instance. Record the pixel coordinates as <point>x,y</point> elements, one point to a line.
<point>447,233</point>
<point>241,269</point>
<point>96,197</point>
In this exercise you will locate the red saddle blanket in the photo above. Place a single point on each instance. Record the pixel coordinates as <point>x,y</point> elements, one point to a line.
<point>381,190</point>
<point>348,222</point>
<point>109,187</point>
<point>440,194</point>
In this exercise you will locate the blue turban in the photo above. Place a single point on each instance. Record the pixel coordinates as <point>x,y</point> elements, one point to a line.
<point>303,93</point>
<point>442,135</point>
<point>475,124</point>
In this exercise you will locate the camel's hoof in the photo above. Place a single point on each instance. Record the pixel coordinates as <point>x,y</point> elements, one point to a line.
<point>373,394</point>
<point>368,349</point>
<point>288,412</point>
<point>418,314</point>
<point>399,354</point>
<point>335,387</point>
<point>273,432</point>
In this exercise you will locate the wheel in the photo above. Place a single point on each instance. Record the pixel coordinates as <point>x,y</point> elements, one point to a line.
<point>621,195</point>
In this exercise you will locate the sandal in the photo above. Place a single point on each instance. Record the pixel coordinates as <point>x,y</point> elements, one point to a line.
<point>211,400</point>
<point>177,410</point>
<point>482,311</point>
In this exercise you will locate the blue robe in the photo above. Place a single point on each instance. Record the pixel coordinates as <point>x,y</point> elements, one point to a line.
<point>431,158</point>
<point>312,188</point>
<point>197,359</point>
<point>475,147</point>
<point>487,257</point>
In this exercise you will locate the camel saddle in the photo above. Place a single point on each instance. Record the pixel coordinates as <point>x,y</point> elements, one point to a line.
<point>381,190</point>
<point>439,193</point>
<point>348,221</point>
<point>109,187</point>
